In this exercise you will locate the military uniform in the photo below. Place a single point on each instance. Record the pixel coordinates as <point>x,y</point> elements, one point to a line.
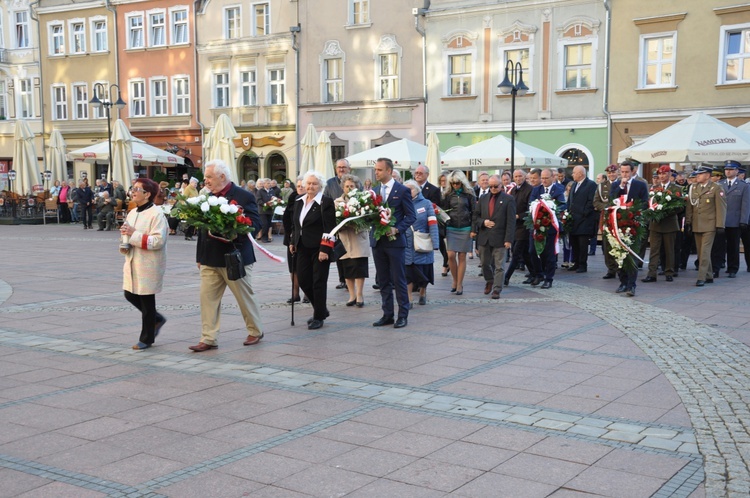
<point>705,212</point>
<point>662,236</point>
<point>601,201</point>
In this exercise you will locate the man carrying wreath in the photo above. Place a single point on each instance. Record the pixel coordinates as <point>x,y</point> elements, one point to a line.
<point>544,262</point>
<point>663,232</point>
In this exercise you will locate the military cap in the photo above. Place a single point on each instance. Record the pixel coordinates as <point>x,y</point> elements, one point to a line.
<point>612,168</point>
<point>731,165</point>
<point>703,168</point>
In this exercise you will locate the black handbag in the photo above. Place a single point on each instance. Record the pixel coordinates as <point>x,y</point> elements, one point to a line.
<point>234,264</point>
<point>338,250</point>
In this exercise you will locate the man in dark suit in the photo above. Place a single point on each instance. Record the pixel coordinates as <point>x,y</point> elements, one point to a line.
<point>334,190</point>
<point>521,194</point>
<point>494,228</point>
<point>429,191</point>
<point>389,255</point>
<point>633,189</point>
<point>544,264</point>
<point>483,184</point>
<point>210,258</point>
<point>585,218</point>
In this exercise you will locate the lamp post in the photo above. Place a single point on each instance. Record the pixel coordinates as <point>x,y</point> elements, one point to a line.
<point>513,84</point>
<point>47,175</point>
<point>11,179</point>
<point>108,102</point>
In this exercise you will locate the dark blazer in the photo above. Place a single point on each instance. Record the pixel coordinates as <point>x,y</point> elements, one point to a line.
<point>521,194</point>
<point>431,193</point>
<point>402,209</point>
<point>263,196</point>
<point>504,216</point>
<point>210,252</point>
<point>581,207</point>
<point>556,192</point>
<point>287,220</point>
<point>319,220</point>
<point>638,190</point>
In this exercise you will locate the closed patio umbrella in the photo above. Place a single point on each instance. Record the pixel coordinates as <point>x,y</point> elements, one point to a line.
<point>222,146</point>
<point>122,154</point>
<point>308,147</point>
<point>25,159</point>
<point>323,160</point>
<point>433,161</point>
<point>56,161</point>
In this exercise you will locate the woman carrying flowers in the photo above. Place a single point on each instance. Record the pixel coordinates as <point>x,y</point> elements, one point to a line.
<point>356,240</point>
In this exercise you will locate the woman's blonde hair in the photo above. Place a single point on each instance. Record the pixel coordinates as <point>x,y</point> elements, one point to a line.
<point>458,176</point>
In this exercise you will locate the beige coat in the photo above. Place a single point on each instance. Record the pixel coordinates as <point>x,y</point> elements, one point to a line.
<point>146,261</point>
<point>357,245</point>
<point>706,208</point>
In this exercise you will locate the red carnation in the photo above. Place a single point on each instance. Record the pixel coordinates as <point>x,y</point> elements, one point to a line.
<point>233,202</point>
<point>619,216</point>
<point>630,216</point>
<point>539,237</point>
<point>546,222</point>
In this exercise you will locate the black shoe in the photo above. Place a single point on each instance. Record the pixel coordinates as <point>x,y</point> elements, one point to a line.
<point>716,274</point>
<point>295,299</point>
<point>528,280</point>
<point>622,288</point>
<point>700,283</point>
<point>506,283</point>
<point>360,304</point>
<point>351,303</point>
<point>376,286</point>
<point>648,279</point>
<point>422,300</point>
<point>305,300</point>
<point>581,270</point>
<point>342,285</point>
<point>709,280</point>
<point>630,292</point>
<point>732,275</point>
<point>400,323</point>
<point>315,324</point>
<point>310,320</point>
<point>608,276</point>
<point>546,285</point>
<point>383,321</point>
<point>669,278</point>
<point>99,229</point>
<point>536,282</point>
<point>573,268</point>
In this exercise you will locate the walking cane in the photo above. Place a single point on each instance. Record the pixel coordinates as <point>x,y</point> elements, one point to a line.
<point>294,268</point>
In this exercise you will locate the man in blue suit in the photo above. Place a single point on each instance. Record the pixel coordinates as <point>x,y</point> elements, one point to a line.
<point>633,189</point>
<point>389,255</point>
<point>544,265</point>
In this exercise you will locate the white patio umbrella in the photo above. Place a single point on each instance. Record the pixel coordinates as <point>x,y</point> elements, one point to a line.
<point>697,138</point>
<point>208,143</point>
<point>433,160</point>
<point>308,147</point>
<point>745,127</point>
<point>404,153</point>
<point>56,161</point>
<point>122,154</point>
<point>495,153</point>
<point>142,152</point>
<point>25,159</point>
<point>323,160</point>
<point>223,144</point>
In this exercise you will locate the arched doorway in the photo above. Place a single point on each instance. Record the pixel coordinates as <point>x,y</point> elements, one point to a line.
<point>276,166</point>
<point>576,157</point>
<point>249,166</point>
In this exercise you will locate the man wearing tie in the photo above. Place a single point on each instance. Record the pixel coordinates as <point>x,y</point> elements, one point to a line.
<point>494,228</point>
<point>482,186</point>
<point>738,213</point>
<point>389,255</point>
<point>543,265</point>
<point>663,233</point>
<point>705,213</point>
<point>632,189</point>
<point>585,218</point>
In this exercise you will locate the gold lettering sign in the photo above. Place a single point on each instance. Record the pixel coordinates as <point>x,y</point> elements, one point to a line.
<point>247,142</point>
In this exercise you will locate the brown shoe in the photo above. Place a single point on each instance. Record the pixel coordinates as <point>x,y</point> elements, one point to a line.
<point>487,287</point>
<point>202,346</point>
<point>496,294</point>
<point>253,339</point>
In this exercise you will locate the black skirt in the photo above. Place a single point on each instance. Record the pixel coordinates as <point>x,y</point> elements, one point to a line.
<point>354,268</point>
<point>420,275</point>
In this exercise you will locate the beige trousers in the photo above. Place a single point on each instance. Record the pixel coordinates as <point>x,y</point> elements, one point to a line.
<point>703,243</point>
<point>213,283</point>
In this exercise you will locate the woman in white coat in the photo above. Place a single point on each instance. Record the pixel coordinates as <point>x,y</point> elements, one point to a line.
<point>145,259</point>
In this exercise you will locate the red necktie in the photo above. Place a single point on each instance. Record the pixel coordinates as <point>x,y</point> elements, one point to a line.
<point>625,188</point>
<point>492,204</point>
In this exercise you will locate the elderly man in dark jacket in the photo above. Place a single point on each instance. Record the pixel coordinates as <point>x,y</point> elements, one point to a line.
<point>585,218</point>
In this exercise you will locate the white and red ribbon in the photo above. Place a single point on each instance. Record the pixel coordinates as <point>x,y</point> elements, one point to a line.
<point>615,230</point>
<point>535,215</point>
<point>265,251</point>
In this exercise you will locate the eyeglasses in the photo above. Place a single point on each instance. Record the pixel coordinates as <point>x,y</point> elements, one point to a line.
<point>138,189</point>
<point>455,183</point>
<point>494,186</point>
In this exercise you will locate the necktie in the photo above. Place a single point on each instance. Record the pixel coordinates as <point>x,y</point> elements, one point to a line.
<point>546,190</point>
<point>383,192</point>
<point>492,204</point>
<point>624,188</point>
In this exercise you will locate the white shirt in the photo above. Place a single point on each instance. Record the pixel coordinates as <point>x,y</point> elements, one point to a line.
<point>306,206</point>
<point>483,191</point>
<point>388,189</point>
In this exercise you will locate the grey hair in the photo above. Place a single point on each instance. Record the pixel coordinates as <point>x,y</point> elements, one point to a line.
<point>348,177</point>
<point>220,168</point>
<point>300,178</point>
<point>345,161</point>
<point>411,183</point>
<point>426,169</point>
<point>317,175</point>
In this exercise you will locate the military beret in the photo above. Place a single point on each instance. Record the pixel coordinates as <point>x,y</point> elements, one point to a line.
<point>731,165</point>
<point>664,168</point>
<point>612,168</point>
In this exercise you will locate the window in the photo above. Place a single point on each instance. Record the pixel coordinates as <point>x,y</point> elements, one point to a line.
<point>2,30</point>
<point>657,61</point>
<point>262,19</point>
<point>221,90</point>
<point>735,58</point>
<point>388,76</point>
<point>21,21</point>
<point>26,106</point>
<point>334,83</point>
<point>276,83</point>
<point>578,66</point>
<point>248,87</point>
<point>59,103</point>
<point>157,29</point>
<point>137,99</point>
<point>80,102</point>
<point>181,92</point>
<point>232,23</point>
<point>99,112</point>
<point>359,12</point>
<point>3,101</point>
<point>77,37</point>
<point>135,31</point>
<point>159,97</point>
<point>179,27</point>
<point>517,55</point>
<point>460,69</point>
<point>56,39</point>
<point>99,35</point>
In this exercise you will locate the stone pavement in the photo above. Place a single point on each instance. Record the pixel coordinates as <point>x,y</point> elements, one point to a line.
<point>571,391</point>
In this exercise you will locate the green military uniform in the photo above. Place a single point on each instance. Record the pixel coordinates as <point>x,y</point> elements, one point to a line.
<point>601,201</point>
<point>663,232</point>
<point>706,211</point>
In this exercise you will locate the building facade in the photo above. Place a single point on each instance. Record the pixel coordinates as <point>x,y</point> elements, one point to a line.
<point>361,72</point>
<point>560,46</point>
<point>246,70</point>
<point>674,60</point>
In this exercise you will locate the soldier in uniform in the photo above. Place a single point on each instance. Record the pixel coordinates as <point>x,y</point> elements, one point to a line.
<point>663,232</point>
<point>738,213</point>
<point>705,214</point>
<point>601,201</point>
<point>719,249</point>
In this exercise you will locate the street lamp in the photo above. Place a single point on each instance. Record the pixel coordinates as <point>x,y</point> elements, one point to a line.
<point>11,179</point>
<point>513,85</point>
<point>47,175</point>
<point>108,102</point>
